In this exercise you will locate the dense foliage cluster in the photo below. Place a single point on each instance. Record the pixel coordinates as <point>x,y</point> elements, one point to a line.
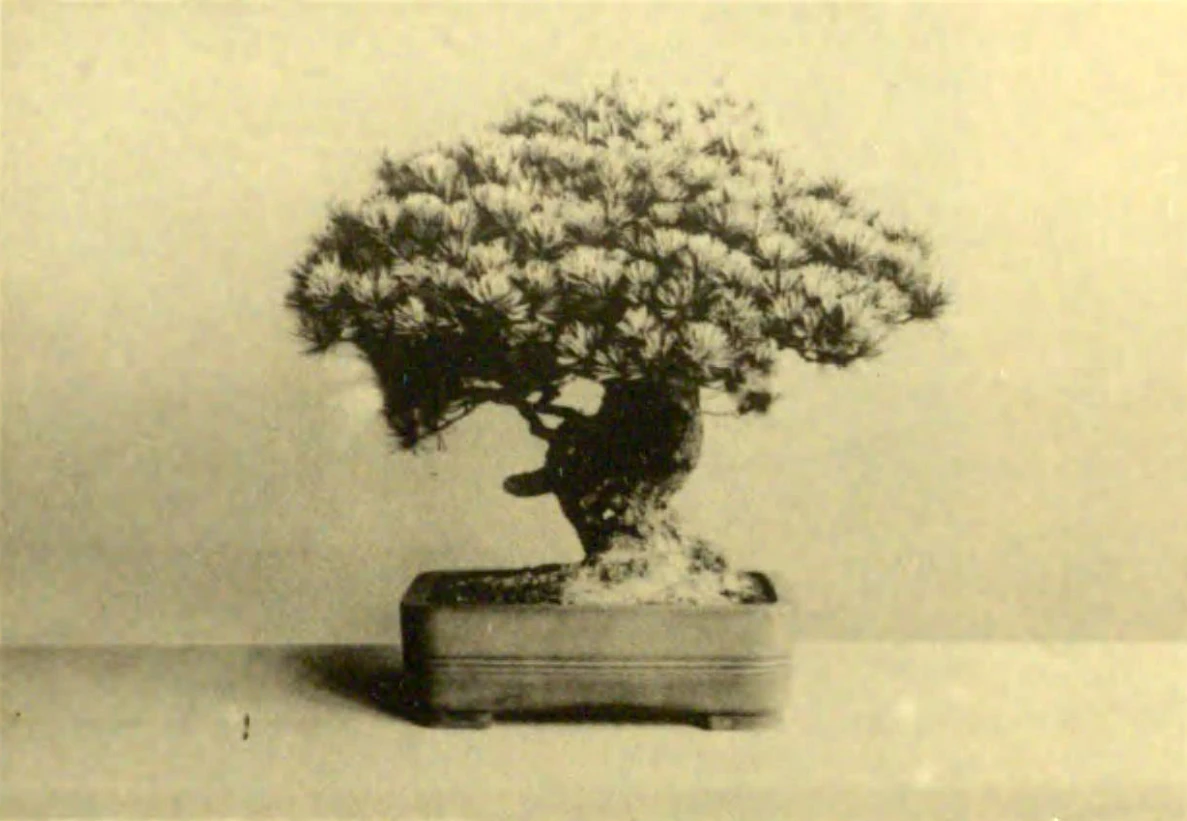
<point>615,237</point>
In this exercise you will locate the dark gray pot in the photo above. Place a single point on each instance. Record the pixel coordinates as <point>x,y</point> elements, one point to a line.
<point>724,666</point>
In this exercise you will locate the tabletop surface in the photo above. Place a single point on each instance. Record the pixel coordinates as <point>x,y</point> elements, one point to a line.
<point>873,731</point>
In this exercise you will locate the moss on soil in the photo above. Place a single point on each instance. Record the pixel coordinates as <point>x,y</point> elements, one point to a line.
<point>561,584</point>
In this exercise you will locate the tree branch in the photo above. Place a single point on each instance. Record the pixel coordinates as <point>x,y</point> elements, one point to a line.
<point>546,404</point>
<point>447,423</point>
<point>530,411</point>
<point>561,411</point>
<point>535,424</point>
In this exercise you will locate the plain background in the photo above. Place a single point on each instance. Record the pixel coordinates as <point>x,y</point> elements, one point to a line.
<point>175,471</point>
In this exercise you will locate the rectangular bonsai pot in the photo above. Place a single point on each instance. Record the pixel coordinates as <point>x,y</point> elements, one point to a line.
<point>725,665</point>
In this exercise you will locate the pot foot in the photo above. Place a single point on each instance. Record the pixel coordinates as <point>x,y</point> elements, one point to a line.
<point>461,720</point>
<point>739,721</point>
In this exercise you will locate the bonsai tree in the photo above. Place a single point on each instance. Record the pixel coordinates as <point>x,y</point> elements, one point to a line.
<point>653,247</point>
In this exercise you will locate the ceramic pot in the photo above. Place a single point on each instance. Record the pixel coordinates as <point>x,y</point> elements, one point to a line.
<point>724,666</point>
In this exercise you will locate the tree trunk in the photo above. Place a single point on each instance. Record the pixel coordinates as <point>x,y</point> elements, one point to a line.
<point>615,473</point>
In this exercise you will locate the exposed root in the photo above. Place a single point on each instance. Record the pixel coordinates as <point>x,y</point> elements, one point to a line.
<point>662,567</point>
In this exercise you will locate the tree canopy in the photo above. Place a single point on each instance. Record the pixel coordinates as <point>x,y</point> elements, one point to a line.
<point>612,237</point>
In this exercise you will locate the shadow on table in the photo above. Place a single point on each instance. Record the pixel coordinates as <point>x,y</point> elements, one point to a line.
<point>371,677</point>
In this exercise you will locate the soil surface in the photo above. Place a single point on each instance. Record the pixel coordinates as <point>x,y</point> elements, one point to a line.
<point>562,584</point>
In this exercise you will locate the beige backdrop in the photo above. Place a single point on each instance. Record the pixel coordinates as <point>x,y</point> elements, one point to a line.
<point>174,471</point>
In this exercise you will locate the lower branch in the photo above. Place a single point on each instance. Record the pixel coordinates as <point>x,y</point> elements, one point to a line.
<point>565,414</point>
<point>535,424</point>
<point>532,412</point>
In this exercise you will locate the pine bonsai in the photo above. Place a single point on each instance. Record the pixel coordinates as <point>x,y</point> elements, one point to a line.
<point>653,247</point>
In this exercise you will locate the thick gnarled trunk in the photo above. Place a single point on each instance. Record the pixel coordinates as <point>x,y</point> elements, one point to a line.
<point>615,473</point>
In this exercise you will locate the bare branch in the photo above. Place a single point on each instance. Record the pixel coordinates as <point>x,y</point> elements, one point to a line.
<point>530,411</point>
<point>535,423</point>
<point>561,411</point>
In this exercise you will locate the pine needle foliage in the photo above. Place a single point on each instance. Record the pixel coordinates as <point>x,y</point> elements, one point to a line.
<point>616,237</point>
